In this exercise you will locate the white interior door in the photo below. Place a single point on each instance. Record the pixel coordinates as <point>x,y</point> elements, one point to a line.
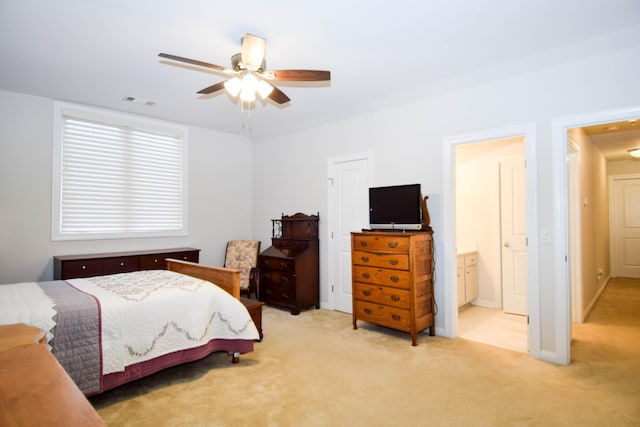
<point>350,212</point>
<point>626,226</point>
<point>514,235</point>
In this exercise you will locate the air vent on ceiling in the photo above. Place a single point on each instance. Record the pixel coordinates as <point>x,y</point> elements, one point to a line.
<point>139,101</point>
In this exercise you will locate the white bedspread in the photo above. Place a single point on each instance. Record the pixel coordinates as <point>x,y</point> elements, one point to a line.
<point>27,303</point>
<point>146,314</point>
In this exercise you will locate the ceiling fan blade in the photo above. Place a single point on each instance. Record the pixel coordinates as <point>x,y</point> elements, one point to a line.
<point>213,88</point>
<point>278,96</point>
<point>192,61</point>
<point>301,75</point>
<point>253,51</point>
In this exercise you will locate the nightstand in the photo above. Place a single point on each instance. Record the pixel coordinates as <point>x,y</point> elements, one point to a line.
<point>255,310</point>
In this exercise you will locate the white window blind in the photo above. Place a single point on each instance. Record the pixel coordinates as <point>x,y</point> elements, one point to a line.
<point>119,179</point>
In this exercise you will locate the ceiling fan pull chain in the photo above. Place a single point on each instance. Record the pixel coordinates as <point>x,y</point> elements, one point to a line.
<point>242,112</point>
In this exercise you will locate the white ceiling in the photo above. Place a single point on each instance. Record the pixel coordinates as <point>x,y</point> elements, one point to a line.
<point>380,53</point>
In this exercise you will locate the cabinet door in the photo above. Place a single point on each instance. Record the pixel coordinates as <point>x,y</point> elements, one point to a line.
<point>471,283</point>
<point>461,291</point>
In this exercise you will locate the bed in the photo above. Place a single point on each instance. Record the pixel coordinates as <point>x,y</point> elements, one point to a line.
<point>109,330</point>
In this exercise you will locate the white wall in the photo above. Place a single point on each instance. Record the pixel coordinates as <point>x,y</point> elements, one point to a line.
<point>219,185</point>
<point>290,172</point>
<point>594,219</point>
<point>623,167</point>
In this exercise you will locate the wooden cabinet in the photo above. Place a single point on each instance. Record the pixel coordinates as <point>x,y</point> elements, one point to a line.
<point>393,280</point>
<point>290,268</point>
<point>88,265</point>
<point>467,278</point>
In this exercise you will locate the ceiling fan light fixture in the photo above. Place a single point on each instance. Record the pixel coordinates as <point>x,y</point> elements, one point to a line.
<point>264,89</point>
<point>233,86</point>
<point>635,152</point>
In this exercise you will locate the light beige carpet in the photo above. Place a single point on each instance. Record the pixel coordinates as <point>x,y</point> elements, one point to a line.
<point>314,370</point>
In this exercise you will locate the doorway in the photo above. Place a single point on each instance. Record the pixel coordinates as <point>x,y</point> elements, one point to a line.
<point>563,270</point>
<point>450,232</point>
<point>491,272</point>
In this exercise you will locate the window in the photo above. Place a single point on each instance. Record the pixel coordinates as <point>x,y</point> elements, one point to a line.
<point>116,175</point>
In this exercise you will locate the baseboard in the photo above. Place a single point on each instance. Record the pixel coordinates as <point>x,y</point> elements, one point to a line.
<point>551,357</point>
<point>595,299</point>
<point>485,303</point>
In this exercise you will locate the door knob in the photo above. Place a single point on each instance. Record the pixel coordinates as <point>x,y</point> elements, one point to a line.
<point>507,244</point>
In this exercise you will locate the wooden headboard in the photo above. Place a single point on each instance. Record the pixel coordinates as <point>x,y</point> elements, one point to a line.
<point>226,278</point>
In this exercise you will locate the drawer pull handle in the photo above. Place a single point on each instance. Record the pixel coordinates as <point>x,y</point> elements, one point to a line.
<point>365,259</point>
<point>394,279</point>
<point>284,265</point>
<point>185,258</point>
<point>367,311</point>
<point>393,245</point>
<point>393,261</point>
<point>395,298</point>
<point>121,264</point>
<point>395,317</point>
<point>84,267</point>
<point>363,243</point>
<point>155,260</point>
<point>366,293</point>
<point>365,275</point>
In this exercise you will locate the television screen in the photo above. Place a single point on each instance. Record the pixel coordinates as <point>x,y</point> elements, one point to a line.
<point>397,207</point>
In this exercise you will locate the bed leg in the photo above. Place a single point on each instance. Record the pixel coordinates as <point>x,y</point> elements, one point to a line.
<point>235,357</point>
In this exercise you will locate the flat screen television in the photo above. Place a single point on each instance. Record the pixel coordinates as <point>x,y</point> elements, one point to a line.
<point>397,207</point>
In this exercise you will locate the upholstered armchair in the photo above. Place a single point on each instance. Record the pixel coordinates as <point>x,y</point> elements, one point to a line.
<point>243,255</point>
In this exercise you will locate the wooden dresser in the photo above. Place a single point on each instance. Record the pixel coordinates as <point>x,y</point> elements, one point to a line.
<point>88,265</point>
<point>290,268</point>
<point>393,280</point>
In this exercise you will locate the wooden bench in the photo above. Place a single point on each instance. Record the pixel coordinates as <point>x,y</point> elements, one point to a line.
<point>34,388</point>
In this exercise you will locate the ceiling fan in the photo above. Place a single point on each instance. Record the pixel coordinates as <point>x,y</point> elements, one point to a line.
<point>249,74</point>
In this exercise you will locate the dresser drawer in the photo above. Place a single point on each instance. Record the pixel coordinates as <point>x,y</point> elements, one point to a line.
<point>120,265</point>
<point>158,261</point>
<point>391,317</point>
<point>271,263</point>
<point>279,292</point>
<point>277,278</point>
<point>81,268</point>
<point>191,256</point>
<point>397,261</point>
<point>470,259</point>
<point>388,277</point>
<point>382,295</point>
<point>392,243</point>
<point>153,262</point>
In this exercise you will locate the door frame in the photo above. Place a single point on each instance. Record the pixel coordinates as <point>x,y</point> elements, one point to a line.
<point>528,130</point>
<point>561,268</point>
<point>575,236</point>
<point>331,213</point>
